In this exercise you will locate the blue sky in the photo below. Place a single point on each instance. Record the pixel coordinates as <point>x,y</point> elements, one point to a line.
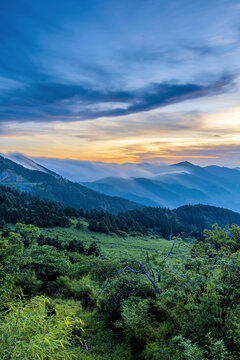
<point>121,81</point>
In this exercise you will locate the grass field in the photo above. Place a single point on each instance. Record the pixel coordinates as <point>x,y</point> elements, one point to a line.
<point>119,246</point>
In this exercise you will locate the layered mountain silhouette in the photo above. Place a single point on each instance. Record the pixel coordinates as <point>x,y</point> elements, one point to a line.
<point>187,184</point>
<point>81,171</point>
<point>49,185</point>
<point>147,184</point>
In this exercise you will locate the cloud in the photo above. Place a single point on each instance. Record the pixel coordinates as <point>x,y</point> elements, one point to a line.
<point>51,101</point>
<point>145,125</point>
<point>202,50</point>
<point>65,62</point>
<point>149,55</point>
<point>78,61</point>
<point>169,152</point>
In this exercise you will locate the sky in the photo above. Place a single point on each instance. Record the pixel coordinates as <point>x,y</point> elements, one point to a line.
<point>121,81</point>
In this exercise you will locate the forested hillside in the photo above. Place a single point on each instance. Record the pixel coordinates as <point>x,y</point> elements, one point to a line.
<point>53,187</point>
<point>22,207</point>
<point>119,180</point>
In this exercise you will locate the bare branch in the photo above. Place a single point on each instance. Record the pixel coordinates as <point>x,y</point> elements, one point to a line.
<point>150,267</point>
<point>173,244</point>
<point>158,274</point>
<point>151,277</point>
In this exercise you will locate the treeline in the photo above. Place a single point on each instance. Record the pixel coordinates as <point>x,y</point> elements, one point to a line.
<point>21,207</point>
<point>101,221</point>
<point>192,219</point>
<point>74,245</point>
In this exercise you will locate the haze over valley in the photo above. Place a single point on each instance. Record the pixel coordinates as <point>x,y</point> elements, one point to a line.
<point>148,184</point>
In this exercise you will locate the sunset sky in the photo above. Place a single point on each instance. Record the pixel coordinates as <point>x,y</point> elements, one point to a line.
<point>121,81</point>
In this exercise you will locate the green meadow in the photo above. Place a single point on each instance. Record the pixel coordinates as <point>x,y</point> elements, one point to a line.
<point>122,247</point>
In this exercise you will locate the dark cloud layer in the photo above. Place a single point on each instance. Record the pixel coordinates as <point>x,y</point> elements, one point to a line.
<point>51,101</point>
<point>63,55</point>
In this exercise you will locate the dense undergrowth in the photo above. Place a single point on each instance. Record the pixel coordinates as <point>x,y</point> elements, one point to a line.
<point>56,302</point>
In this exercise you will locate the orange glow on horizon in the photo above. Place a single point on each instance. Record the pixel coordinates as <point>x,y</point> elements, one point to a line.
<point>207,138</point>
<point>166,158</point>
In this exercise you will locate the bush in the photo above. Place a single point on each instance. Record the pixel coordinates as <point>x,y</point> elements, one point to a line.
<point>186,349</point>
<point>119,289</point>
<point>135,321</point>
<point>27,332</point>
<point>81,290</point>
<point>94,249</point>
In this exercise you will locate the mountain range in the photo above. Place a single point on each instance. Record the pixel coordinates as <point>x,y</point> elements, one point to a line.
<point>46,184</point>
<point>182,183</point>
<point>147,184</point>
<point>88,171</point>
<point>156,184</point>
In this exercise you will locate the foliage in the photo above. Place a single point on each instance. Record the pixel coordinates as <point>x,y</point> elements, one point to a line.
<point>27,332</point>
<point>195,315</point>
<point>23,208</point>
<point>94,249</point>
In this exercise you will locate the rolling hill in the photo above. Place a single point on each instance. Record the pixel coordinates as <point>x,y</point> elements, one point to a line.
<point>17,206</point>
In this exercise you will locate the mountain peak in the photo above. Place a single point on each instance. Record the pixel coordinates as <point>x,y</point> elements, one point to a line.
<point>185,164</point>
<point>26,162</point>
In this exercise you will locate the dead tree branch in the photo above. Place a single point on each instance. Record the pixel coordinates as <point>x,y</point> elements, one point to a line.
<point>150,275</point>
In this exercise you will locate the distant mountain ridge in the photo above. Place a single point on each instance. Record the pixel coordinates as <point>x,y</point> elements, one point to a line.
<point>156,184</point>
<point>192,184</point>
<point>88,171</point>
<point>166,185</point>
<point>49,185</point>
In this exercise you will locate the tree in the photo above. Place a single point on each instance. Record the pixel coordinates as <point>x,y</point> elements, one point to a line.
<point>94,249</point>
<point>29,233</point>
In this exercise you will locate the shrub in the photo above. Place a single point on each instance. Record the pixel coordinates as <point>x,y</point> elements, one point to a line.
<point>28,333</point>
<point>81,290</point>
<point>94,249</point>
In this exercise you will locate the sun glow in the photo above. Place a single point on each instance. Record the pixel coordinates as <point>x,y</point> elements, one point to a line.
<point>146,137</point>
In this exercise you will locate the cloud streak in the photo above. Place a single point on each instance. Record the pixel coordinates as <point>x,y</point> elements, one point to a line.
<point>96,79</point>
<point>54,101</point>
